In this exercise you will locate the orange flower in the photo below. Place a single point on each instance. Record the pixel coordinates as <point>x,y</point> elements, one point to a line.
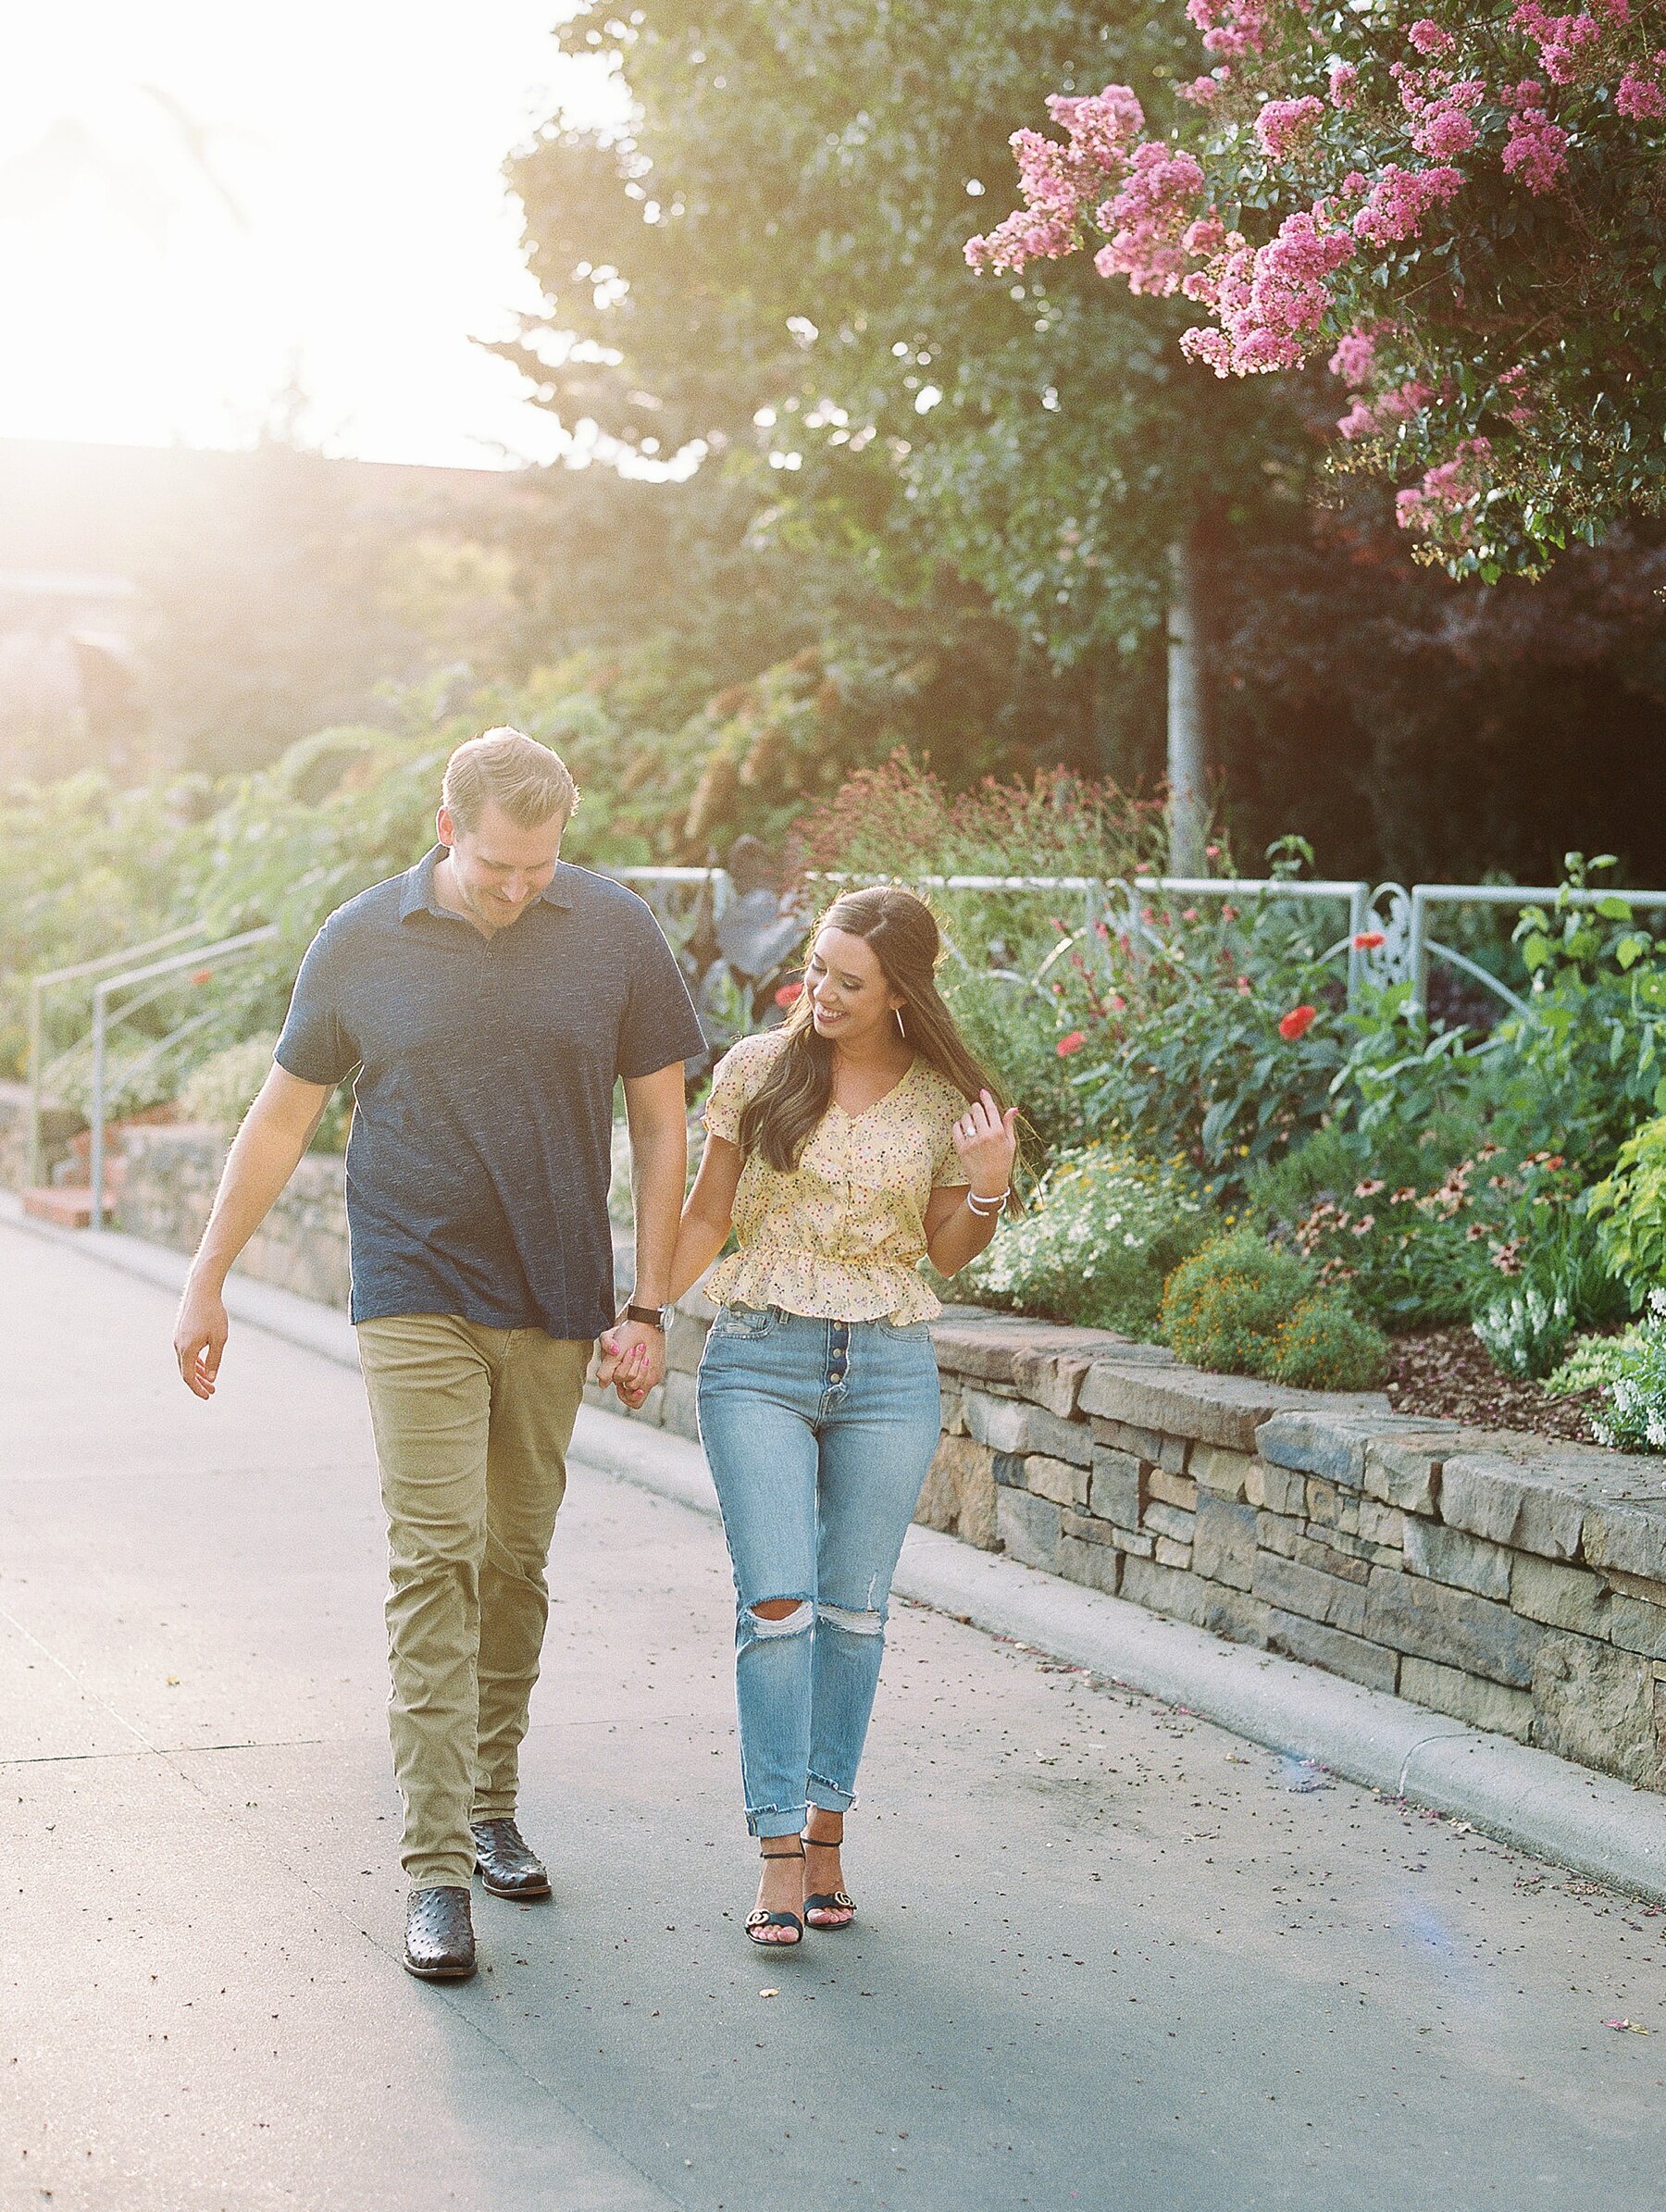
<point>788,993</point>
<point>1071,1043</point>
<point>1369,940</point>
<point>1297,1022</point>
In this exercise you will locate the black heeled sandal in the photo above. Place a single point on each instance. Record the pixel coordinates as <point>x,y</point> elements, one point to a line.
<point>760,1919</point>
<point>836,1900</point>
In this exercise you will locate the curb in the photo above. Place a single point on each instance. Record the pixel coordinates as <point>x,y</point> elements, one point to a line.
<point>1586,1822</point>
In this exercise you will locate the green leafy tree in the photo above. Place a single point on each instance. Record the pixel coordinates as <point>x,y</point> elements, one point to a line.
<point>766,270</point>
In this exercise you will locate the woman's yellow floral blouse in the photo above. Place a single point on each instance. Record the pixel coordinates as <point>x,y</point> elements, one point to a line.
<point>843,1236</point>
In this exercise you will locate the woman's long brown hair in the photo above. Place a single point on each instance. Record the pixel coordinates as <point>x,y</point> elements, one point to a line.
<point>902,931</point>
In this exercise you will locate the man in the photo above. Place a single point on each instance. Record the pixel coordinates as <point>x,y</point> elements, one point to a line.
<point>488,998</point>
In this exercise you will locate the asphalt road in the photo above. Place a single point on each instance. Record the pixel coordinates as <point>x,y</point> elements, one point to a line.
<point>1109,1955</point>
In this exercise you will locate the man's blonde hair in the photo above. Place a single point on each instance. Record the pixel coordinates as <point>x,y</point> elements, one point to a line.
<point>516,773</point>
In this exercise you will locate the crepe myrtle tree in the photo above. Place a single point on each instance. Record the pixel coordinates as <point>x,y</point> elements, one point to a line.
<point>761,268</point>
<point>1459,207</point>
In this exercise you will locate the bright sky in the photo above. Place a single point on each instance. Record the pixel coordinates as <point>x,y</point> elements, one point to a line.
<point>346,221</point>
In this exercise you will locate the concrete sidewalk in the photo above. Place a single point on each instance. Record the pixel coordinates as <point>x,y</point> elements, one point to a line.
<point>1108,1955</point>
<point>1589,1823</point>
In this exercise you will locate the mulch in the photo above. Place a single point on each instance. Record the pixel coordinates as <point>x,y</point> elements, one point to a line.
<point>1448,1374</point>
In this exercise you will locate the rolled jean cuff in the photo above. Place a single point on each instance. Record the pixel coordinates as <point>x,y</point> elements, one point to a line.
<point>826,1796</point>
<point>774,1819</point>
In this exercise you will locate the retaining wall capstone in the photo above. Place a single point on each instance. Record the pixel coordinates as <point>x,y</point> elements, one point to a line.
<point>1511,1582</point>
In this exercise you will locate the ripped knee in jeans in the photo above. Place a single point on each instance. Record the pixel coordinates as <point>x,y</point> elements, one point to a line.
<point>781,1616</point>
<point>853,1623</point>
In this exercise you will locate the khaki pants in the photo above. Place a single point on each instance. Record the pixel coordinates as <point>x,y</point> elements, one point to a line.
<point>472,1426</point>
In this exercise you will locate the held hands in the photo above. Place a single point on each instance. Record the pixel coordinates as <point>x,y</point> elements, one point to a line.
<point>987,1142</point>
<point>200,1338</point>
<point>633,1361</point>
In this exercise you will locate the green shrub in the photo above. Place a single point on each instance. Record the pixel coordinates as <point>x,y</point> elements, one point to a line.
<point>221,1089</point>
<point>1209,1030</point>
<point>1417,1237</point>
<point>1634,1416</point>
<point>1103,1230</point>
<point>1325,1346</point>
<point>1241,1306</point>
<point>1593,1363</point>
<point>1629,1209</point>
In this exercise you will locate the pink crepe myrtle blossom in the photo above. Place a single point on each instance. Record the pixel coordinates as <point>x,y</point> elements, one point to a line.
<point>1446,489</point>
<point>1400,199</point>
<point>1430,39</point>
<point>1367,419</point>
<point>1535,151</point>
<point>1059,181</point>
<point>1569,47</point>
<point>1343,79</point>
<point>1147,217</point>
<point>1640,100</point>
<point>1270,299</point>
<point>1232,28</point>
<point>1101,125</point>
<point>1354,358</point>
<point>1283,124</point>
<point>1443,131</point>
<point>1202,89</point>
<point>1521,411</point>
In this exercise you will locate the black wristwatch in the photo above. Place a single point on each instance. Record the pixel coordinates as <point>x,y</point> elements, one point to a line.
<point>650,1317</point>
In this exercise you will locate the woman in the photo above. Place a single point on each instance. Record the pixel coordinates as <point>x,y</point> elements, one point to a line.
<point>842,1147</point>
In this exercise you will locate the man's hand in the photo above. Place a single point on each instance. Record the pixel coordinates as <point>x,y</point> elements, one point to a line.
<point>633,1360</point>
<point>200,1338</point>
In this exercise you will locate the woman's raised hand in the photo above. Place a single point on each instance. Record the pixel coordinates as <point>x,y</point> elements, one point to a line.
<point>987,1142</point>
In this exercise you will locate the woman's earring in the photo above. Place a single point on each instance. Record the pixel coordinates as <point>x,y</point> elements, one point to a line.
<point>901,1032</point>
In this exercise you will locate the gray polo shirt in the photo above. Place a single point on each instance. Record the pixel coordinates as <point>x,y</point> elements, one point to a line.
<point>480,1153</point>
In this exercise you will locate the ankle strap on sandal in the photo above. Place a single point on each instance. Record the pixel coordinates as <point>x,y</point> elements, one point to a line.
<point>799,1853</point>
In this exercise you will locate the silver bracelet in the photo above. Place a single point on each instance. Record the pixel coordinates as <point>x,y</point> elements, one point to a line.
<point>988,1208</point>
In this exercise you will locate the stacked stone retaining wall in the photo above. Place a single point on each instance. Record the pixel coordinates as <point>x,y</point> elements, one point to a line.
<point>301,1246</point>
<point>1513,1582</point>
<point>58,1125</point>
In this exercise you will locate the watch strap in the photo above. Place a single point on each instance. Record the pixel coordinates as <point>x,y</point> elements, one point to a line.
<point>651,1317</point>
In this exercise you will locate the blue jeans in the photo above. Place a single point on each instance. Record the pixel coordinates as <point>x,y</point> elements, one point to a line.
<point>820,1435</point>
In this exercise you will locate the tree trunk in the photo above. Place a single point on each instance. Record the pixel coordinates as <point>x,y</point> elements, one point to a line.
<point>1187,805</point>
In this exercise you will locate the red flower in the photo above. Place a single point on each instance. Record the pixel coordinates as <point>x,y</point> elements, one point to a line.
<point>1072,1043</point>
<point>788,993</point>
<point>1369,940</point>
<point>1297,1022</point>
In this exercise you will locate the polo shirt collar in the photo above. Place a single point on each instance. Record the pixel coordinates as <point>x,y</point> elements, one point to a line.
<point>420,898</point>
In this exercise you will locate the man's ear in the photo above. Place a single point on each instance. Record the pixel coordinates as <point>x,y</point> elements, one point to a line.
<point>445,829</point>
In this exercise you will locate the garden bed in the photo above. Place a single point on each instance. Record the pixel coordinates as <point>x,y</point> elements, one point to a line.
<point>1446,1374</point>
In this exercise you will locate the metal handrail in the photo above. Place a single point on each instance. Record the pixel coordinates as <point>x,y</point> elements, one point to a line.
<point>1426,895</point>
<point>229,948</point>
<point>48,979</point>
